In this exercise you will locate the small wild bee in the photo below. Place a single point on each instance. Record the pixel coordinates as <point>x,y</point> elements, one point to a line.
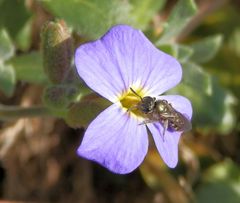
<point>163,112</point>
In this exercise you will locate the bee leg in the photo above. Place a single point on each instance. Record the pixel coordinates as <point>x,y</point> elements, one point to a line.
<point>145,122</point>
<point>167,116</point>
<point>165,127</point>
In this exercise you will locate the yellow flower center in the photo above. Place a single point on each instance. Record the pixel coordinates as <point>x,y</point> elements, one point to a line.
<point>130,100</point>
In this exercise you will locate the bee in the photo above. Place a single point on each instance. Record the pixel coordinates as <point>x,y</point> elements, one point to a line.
<point>162,111</point>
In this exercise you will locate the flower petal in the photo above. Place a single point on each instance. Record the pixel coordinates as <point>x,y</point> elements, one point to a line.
<point>122,58</point>
<point>165,73</point>
<point>168,146</point>
<point>115,140</point>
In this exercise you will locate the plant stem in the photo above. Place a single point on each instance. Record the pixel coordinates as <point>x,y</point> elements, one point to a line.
<point>16,112</point>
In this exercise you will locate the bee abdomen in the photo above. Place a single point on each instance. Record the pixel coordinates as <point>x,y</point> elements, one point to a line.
<point>176,124</point>
<point>175,127</point>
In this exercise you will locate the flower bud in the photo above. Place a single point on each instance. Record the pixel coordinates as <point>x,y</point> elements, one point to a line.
<point>58,97</point>
<point>57,50</point>
<point>80,114</point>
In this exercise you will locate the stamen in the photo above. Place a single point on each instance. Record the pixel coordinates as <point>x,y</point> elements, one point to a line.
<point>135,93</point>
<point>130,101</point>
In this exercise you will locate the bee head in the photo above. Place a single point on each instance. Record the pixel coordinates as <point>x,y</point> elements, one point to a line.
<point>147,104</point>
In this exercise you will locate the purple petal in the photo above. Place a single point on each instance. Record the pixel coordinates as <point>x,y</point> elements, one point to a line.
<point>165,73</point>
<point>122,58</point>
<point>115,140</point>
<point>168,146</point>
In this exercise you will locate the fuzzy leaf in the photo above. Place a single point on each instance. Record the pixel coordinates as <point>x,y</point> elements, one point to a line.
<point>29,68</point>
<point>90,18</point>
<point>7,79</point>
<point>212,104</point>
<point>24,37</point>
<point>59,97</point>
<point>81,114</point>
<point>204,50</point>
<point>143,11</point>
<point>6,46</point>
<point>178,19</point>
<point>221,183</point>
<point>13,16</point>
<point>181,52</point>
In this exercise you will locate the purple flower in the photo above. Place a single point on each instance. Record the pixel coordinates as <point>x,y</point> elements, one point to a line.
<point>121,59</point>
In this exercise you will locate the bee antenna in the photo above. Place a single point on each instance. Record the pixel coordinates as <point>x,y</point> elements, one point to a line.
<point>135,93</point>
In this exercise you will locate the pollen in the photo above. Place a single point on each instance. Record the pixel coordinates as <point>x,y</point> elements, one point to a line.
<point>129,101</point>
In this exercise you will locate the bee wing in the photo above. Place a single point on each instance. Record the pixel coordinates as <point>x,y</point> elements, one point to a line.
<point>187,123</point>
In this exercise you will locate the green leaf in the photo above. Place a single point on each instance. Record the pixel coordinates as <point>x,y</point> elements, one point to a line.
<point>234,41</point>
<point>195,77</point>
<point>23,38</point>
<point>29,68</point>
<point>204,50</point>
<point>178,19</point>
<point>181,52</point>
<point>7,79</point>
<point>221,183</point>
<point>226,170</point>
<point>169,49</point>
<point>6,46</point>
<point>212,105</point>
<point>143,11</point>
<point>90,18</point>
<point>13,16</point>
